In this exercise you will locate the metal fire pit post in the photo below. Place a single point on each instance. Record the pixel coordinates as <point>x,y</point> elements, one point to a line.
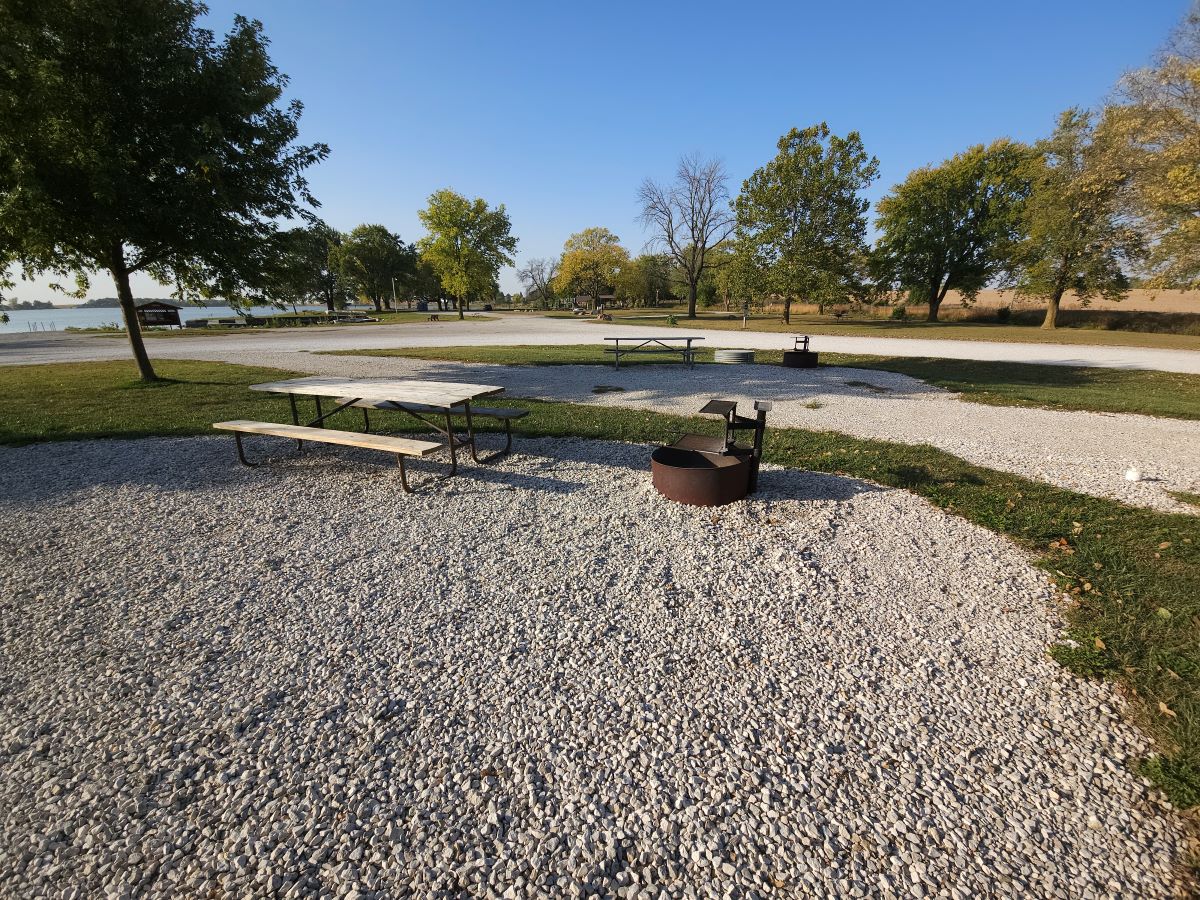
<point>760,428</point>
<point>709,471</point>
<point>800,357</point>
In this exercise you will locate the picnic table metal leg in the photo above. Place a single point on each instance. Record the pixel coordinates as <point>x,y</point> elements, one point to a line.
<point>295,418</point>
<point>241,451</point>
<point>471,431</point>
<point>403,474</point>
<point>450,443</point>
<point>366,421</point>
<point>320,423</point>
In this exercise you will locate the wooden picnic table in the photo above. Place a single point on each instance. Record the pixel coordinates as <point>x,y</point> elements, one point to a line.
<point>653,345</point>
<point>442,399</point>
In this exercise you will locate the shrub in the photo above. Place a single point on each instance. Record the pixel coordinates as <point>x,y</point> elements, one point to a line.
<point>672,320</point>
<point>900,313</point>
<point>1004,314</point>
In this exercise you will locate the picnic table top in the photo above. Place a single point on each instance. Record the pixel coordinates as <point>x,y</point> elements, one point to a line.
<point>674,337</point>
<point>441,394</point>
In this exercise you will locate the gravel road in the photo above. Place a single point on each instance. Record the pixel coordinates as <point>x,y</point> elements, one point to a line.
<point>539,679</point>
<point>1082,451</point>
<point>16,349</point>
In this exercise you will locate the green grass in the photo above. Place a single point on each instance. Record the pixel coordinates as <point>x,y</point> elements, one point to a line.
<point>1168,394</point>
<point>1186,497</point>
<point>104,399</point>
<point>865,326</point>
<point>998,383</point>
<point>1133,574</point>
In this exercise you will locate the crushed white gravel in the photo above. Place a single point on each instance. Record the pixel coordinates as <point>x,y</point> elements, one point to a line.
<point>1083,451</point>
<point>539,679</point>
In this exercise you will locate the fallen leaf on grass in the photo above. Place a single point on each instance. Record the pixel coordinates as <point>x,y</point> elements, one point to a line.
<point>1165,710</point>
<point>1099,644</point>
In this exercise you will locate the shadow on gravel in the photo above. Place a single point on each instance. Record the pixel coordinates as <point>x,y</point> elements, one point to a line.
<point>795,484</point>
<point>668,381</point>
<point>61,470</point>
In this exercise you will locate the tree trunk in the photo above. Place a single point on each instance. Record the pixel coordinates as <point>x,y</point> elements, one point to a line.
<point>378,304</point>
<point>129,313</point>
<point>464,304</point>
<point>691,300</point>
<point>787,310</point>
<point>936,296</point>
<point>1052,310</point>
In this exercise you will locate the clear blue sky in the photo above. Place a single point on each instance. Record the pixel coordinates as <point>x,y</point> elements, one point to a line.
<point>559,110</point>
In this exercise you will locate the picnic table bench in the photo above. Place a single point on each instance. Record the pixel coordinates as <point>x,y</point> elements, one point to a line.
<point>653,345</point>
<point>419,399</point>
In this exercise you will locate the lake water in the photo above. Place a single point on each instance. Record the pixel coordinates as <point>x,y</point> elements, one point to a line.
<point>93,317</point>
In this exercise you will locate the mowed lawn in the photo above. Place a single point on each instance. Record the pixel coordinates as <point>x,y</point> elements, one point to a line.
<point>909,328</point>
<point>1002,384</point>
<point>1133,574</point>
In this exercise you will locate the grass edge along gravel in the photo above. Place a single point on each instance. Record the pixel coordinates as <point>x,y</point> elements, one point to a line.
<point>1133,575</point>
<point>913,327</point>
<point>1082,388</point>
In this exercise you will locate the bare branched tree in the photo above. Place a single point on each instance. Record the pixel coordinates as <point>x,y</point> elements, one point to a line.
<point>539,274</point>
<point>692,216</point>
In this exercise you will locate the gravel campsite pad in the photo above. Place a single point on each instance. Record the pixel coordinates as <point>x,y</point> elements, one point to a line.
<point>537,679</point>
<point>1081,451</point>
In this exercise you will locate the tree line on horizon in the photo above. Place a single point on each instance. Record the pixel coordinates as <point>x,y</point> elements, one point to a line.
<point>133,140</point>
<point>1107,197</point>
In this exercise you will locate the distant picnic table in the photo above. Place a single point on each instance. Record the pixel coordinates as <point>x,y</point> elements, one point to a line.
<point>637,345</point>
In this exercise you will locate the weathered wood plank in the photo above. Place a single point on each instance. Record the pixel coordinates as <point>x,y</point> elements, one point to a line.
<point>387,443</point>
<point>441,394</point>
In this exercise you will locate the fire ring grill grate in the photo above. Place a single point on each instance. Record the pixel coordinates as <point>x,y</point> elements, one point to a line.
<point>800,357</point>
<point>709,471</point>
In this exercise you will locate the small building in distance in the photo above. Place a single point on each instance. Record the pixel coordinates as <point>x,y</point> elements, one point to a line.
<point>156,313</point>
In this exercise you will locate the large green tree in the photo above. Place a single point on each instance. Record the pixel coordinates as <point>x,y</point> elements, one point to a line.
<point>1075,236</point>
<point>802,217</point>
<point>590,263</point>
<point>308,267</point>
<point>1156,131</point>
<point>951,227</point>
<point>740,279</point>
<point>466,244</point>
<point>376,263</point>
<point>132,140</point>
<point>644,280</point>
